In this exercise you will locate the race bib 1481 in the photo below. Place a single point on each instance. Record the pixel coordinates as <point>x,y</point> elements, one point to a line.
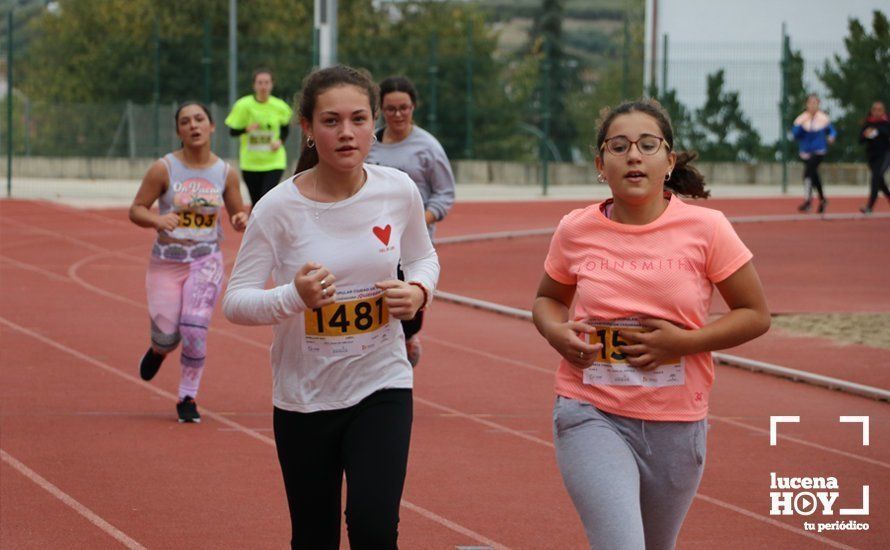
<point>356,323</point>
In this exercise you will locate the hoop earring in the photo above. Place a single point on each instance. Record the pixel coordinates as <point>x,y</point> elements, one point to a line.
<point>600,178</point>
<point>373,138</point>
<point>310,143</point>
<point>667,176</point>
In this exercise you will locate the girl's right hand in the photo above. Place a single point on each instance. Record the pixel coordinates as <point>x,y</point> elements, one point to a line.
<point>315,285</point>
<point>239,222</point>
<point>563,337</point>
<point>167,222</point>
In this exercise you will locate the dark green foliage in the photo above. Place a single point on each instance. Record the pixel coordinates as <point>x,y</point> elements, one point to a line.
<point>858,79</point>
<point>681,118</point>
<point>557,77</point>
<point>721,131</point>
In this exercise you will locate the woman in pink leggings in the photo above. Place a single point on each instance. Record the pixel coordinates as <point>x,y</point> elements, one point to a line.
<point>185,273</point>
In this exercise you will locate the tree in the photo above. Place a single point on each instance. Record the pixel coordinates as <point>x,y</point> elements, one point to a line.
<point>858,80</point>
<point>107,52</point>
<point>112,50</point>
<point>87,58</point>
<point>557,77</point>
<point>722,132</point>
<point>615,79</point>
<point>681,118</point>
<point>454,40</point>
<point>795,90</point>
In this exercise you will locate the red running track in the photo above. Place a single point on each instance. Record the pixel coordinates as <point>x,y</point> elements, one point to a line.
<point>74,414</point>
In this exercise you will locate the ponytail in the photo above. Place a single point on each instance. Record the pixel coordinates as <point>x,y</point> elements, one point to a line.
<point>685,179</point>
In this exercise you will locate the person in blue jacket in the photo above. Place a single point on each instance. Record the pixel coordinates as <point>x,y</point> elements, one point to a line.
<point>814,133</point>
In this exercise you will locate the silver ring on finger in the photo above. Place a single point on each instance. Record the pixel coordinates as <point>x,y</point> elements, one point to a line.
<point>324,283</point>
<point>580,355</point>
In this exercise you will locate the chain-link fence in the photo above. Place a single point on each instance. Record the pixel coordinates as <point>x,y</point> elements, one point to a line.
<point>533,102</point>
<point>145,129</point>
<point>753,71</point>
<point>481,101</point>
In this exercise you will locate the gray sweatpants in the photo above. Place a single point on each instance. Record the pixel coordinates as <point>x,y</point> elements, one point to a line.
<point>632,481</point>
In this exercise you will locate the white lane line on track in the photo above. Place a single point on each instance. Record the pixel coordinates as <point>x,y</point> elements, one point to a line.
<point>236,336</point>
<point>69,501</point>
<point>804,442</point>
<point>511,431</point>
<point>407,504</point>
<point>92,215</point>
<point>774,523</point>
<point>817,380</point>
<point>235,426</point>
<point>72,273</point>
<point>475,418</point>
<point>717,502</point>
<point>33,268</point>
<point>492,356</point>
<point>726,420</point>
<point>32,242</point>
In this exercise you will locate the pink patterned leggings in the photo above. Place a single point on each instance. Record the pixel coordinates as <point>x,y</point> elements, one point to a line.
<point>181,298</point>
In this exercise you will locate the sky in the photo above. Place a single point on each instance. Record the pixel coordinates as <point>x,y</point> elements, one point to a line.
<point>744,39</point>
<point>761,20</point>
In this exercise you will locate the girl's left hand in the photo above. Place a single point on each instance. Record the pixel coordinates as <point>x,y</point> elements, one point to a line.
<point>401,299</point>
<point>239,222</point>
<point>649,350</point>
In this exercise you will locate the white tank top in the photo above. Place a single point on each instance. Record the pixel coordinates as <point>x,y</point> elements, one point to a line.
<point>197,196</point>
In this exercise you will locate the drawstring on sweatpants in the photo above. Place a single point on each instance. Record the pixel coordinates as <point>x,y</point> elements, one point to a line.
<point>643,433</point>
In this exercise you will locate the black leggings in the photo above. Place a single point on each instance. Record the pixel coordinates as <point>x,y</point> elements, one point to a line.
<point>878,167</point>
<point>259,183</point>
<point>369,442</point>
<point>411,326</point>
<point>811,174</point>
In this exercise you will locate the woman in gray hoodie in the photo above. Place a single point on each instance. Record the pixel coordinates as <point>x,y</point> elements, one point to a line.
<point>402,144</point>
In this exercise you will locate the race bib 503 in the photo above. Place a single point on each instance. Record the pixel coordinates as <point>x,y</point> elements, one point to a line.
<point>196,220</point>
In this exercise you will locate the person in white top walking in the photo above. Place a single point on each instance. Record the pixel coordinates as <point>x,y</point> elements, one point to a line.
<point>331,238</point>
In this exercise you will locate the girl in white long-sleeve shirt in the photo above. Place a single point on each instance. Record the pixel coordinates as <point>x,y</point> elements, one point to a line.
<point>331,238</point>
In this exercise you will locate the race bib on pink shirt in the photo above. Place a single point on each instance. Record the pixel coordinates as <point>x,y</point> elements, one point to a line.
<point>610,368</point>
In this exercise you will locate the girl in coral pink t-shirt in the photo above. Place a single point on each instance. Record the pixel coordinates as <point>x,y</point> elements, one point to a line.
<point>633,384</point>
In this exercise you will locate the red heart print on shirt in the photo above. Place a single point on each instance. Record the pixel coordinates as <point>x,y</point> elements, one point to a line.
<point>383,233</point>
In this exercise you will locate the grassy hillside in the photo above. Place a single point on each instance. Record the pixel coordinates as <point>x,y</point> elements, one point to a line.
<point>592,30</point>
